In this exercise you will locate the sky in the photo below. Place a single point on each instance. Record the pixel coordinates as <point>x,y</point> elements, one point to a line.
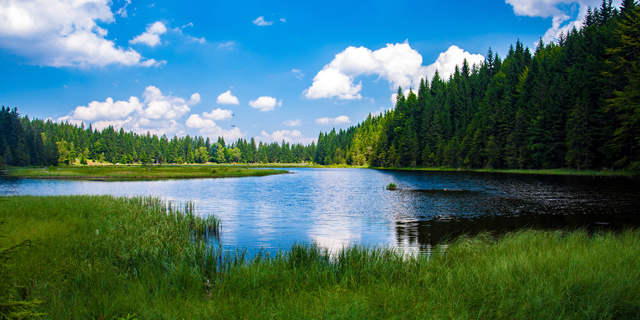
<point>273,70</point>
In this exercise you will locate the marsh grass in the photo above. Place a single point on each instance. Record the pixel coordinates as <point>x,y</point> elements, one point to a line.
<point>392,186</point>
<point>137,172</point>
<point>148,260</point>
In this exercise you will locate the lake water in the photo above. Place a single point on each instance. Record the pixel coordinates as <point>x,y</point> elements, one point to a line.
<point>336,207</point>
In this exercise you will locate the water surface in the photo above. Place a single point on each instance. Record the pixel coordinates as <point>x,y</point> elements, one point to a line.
<point>336,207</point>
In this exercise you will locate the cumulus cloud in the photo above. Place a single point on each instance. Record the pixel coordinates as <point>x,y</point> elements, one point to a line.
<point>333,121</point>
<point>157,113</point>
<point>560,11</point>
<point>278,136</point>
<point>108,110</point>
<point>261,22</point>
<point>265,103</point>
<point>151,36</point>
<point>293,123</point>
<point>209,128</point>
<point>398,63</point>
<point>61,33</point>
<point>218,114</point>
<point>227,98</point>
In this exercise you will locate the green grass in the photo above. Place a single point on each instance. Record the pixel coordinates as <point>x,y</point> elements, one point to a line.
<point>137,172</point>
<point>153,262</point>
<point>392,186</point>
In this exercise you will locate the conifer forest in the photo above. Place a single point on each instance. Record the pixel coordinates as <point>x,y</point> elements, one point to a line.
<point>574,103</point>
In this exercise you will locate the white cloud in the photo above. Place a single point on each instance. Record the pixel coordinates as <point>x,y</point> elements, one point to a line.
<point>283,20</point>
<point>559,10</point>
<point>447,62</point>
<point>195,99</point>
<point>265,103</point>
<point>62,33</point>
<point>123,11</point>
<point>107,110</point>
<point>394,99</point>
<point>294,136</point>
<point>218,114</point>
<point>157,113</point>
<point>151,36</point>
<point>329,121</point>
<point>293,123</point>
<point>399,64</point>
<point>227,98</point>
<point>261,22</point>
<point>165,107</point>
<point>298,73</point>
<point>209,128</point>
<point>227,45</point>
<point>198,40</point>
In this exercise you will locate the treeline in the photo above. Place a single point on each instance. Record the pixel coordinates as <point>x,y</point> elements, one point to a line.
<point>36,142</point>
<point>575,103</point>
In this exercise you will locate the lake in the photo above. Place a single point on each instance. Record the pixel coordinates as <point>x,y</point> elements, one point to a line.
<point>337,207</point>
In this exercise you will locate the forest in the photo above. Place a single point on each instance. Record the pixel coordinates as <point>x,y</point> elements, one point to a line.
<point>574,103</point>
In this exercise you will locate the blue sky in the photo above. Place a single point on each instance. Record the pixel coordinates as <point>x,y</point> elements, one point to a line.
<point>267,69</point>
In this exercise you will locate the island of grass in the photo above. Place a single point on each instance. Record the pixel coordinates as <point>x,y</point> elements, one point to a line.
<point>138,172</point>
<point>100,257</point>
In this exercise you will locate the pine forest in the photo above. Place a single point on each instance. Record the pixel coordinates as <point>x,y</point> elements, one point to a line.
<point>570,104</point>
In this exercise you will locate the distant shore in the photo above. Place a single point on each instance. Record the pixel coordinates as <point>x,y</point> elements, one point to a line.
<point>137,172</point>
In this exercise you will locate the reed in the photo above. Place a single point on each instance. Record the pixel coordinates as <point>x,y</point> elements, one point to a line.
<point>103,257</point>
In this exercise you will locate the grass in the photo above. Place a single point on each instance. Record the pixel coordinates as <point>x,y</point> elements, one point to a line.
<point>105,258</point>
<point>137,172</point>
<point>392,186</point>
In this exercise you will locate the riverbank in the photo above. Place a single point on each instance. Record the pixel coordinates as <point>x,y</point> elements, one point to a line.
<point>104,257</point>
<point>137,172</point>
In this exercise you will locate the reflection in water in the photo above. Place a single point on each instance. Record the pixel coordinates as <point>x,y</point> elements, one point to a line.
<point>337,207</point>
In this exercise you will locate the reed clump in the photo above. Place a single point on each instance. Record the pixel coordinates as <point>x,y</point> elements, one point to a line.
<point>392,186</point>
<point>104,257</point>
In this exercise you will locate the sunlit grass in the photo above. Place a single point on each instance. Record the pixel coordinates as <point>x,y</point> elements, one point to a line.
<point>103,257</point>
<point>138,172</point>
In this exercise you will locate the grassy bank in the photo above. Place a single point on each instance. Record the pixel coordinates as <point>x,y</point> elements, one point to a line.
<point>103,257</point>
<point>137,172</point>
<point>566,172</point>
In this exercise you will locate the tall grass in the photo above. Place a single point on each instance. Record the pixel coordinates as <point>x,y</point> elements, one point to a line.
<point>137,172</point>
<point>152,261</point>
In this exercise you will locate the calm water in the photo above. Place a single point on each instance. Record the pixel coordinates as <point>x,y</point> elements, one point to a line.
<point>336,207</point>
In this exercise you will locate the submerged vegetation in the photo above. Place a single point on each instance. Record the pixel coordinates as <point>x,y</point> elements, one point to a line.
<point>103,257</point>
<point>135,172</point>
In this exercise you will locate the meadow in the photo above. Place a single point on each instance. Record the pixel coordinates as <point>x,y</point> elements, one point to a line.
<point>101,257</point>
<point>137,172</point>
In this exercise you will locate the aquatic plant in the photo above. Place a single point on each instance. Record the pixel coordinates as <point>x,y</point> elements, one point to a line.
<point>392,186</point>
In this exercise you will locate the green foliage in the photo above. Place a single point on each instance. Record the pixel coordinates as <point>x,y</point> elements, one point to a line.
<point>392,186</point>
<point>146,261</point>
<point>133,172</point>
<point>12,306</point>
